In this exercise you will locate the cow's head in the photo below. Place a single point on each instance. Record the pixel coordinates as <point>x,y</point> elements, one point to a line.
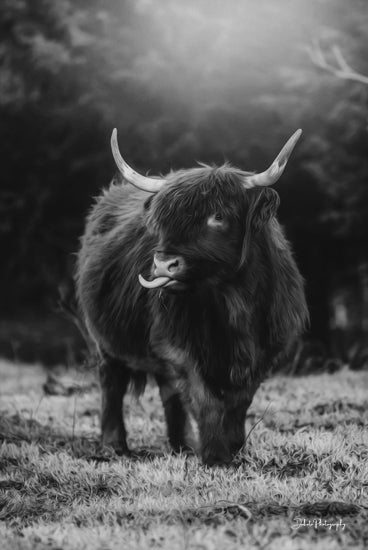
<point>204,218</point>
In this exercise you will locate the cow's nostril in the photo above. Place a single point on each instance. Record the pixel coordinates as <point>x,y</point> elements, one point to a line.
<point>173,265</point>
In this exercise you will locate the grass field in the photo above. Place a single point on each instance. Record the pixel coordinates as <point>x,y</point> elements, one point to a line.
<point>305,467</point>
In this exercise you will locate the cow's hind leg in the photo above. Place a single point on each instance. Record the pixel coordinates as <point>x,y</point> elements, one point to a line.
<point>114,379</point>
<point>177,421</point>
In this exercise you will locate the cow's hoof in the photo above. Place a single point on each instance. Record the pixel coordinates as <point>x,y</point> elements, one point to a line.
<point>217,463</point>
<point>219,458</point>
<point>183,450</point>
<point>236,448</point>
<point>118,447</point>
<point>146,454</point>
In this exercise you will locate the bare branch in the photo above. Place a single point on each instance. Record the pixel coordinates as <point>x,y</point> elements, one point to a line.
<point>341,60</point>
<point>341,69</point>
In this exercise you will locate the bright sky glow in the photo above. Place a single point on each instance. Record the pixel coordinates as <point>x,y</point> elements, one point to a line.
<point>203,48</point>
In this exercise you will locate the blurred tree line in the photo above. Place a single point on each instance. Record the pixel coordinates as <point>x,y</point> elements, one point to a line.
<point>182,82</point>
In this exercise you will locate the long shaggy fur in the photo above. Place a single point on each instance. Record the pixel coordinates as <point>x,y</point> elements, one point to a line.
<point>243,305</point>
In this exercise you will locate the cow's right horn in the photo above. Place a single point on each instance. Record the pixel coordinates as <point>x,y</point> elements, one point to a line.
<point>152,185</point>
<point>272,174</point>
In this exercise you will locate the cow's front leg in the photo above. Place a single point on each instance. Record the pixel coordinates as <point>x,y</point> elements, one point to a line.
<point>208,410</point>
<point>214,446</point>
<point>234,421</point>
<point>237,403</point>
<point>114,379</point>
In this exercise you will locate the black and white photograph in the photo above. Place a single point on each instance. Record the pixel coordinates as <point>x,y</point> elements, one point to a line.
<point>184,274</point>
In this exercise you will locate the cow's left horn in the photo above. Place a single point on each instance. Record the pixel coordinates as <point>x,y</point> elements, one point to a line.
<point>152,185</point>
<point>272,174</point>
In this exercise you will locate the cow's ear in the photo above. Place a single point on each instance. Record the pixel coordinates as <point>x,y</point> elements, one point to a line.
<point>263,208</point>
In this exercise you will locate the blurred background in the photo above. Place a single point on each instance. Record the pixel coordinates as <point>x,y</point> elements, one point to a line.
<point>200,80</point>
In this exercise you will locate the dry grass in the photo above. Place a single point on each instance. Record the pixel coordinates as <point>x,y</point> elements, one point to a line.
<point>307,458</point>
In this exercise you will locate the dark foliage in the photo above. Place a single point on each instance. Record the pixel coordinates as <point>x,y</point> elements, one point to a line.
<point>182,83</point>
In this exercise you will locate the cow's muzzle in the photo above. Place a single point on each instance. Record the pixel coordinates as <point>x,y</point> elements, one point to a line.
<point>166,269</point>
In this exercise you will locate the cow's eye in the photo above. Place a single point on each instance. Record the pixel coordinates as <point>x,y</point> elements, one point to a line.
<point>216,220</point>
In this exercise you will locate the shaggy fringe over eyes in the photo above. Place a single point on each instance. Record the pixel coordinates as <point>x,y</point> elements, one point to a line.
<point>196,194</point>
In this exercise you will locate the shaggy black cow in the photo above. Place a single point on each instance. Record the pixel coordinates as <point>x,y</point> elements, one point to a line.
<point>190,278</point>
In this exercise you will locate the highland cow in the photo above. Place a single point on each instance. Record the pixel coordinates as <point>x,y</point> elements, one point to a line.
<point>189,278</point>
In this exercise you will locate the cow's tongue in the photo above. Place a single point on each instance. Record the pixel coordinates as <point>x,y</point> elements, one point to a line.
<point>156,283</point>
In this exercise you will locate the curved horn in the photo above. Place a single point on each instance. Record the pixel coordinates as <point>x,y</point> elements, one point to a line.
<point>272,174</point>
<point>152,185</point>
